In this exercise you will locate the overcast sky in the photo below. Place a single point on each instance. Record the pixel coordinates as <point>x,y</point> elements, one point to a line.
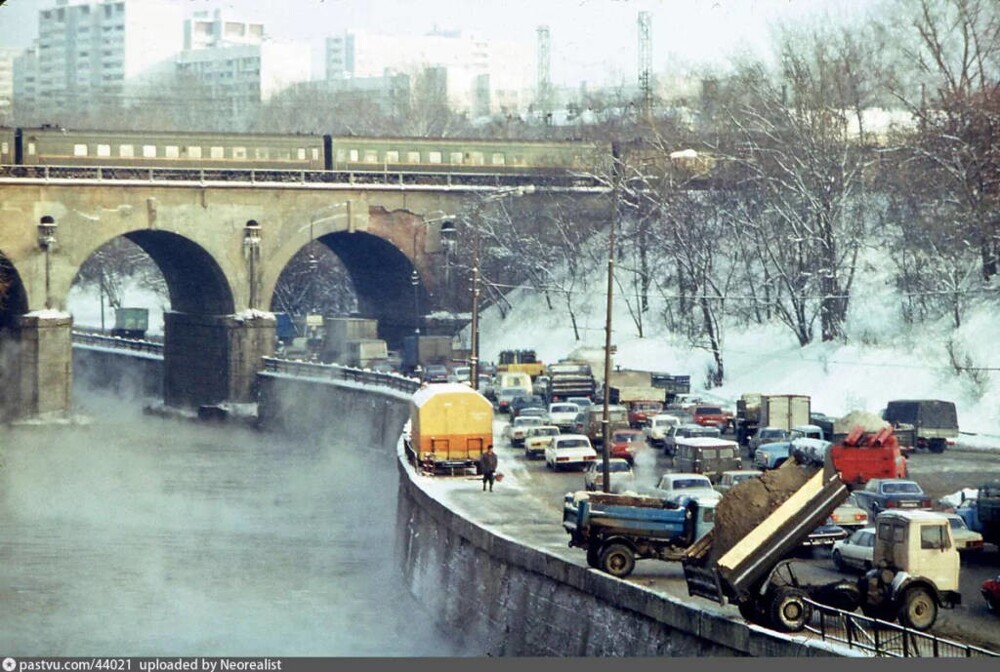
<point>592,40</point>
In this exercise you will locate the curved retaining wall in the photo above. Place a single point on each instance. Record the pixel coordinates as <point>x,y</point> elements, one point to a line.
<point>495,594</point>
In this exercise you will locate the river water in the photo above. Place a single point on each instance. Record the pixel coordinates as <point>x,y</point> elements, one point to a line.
<point>139,535</point>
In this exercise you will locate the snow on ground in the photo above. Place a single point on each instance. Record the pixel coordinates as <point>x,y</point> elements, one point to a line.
<point>881,361</point>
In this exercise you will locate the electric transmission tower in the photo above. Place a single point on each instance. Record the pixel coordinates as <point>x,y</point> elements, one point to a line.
<point>544,100</point>
<point>645,64</point>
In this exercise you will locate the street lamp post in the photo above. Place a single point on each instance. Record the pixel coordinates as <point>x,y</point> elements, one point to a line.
<point>474,327</point>
<point>47,241</point>
<point>251,248</point>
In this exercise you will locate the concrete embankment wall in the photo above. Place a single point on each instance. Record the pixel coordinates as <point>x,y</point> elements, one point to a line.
<point>128,374</point>
<point>494,594</point>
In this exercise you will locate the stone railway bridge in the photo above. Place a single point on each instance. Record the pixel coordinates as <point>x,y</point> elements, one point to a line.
<point>221,247</point>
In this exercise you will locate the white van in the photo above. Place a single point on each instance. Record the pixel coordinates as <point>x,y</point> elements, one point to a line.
<point>517,379</point>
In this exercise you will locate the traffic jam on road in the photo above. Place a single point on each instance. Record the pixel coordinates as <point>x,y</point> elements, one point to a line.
<point>886,519</point>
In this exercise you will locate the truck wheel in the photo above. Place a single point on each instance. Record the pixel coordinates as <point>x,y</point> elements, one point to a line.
<point>918,609</point>
<point>618,560</point>
<point>937,445</point>
<point>789,611</point>
<point>748,610</point>
<point>594,556</point>
<point>838,560</point>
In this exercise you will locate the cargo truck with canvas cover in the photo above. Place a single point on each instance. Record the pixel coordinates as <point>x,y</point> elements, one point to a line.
<point>450,424</point>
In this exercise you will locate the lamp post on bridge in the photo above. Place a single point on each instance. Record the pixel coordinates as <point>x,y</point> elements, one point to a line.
<point>251,249</point>
<point>47,241</point>
<point>474,327</point>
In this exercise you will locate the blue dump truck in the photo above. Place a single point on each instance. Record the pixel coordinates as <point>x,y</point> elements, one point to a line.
<point>617,529</point>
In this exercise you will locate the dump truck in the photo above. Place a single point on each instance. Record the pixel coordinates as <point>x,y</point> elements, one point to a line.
<point>523,361</point>
<point>450,427</point>
<point>570,379</point>
<point>617,529</point>
<point>744,558</point>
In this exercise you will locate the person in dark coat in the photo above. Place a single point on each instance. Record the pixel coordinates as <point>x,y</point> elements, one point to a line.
<point>488,467</point>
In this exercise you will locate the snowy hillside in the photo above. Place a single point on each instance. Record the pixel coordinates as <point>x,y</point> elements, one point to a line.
<point>882,360</point>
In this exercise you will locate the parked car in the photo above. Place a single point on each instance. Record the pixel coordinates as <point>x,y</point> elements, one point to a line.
<point>569,450</point>
<point>728,479</point>
<point>656,430</point>
<point>965,539</point>
<point>673,484</point>
<point>856,551</point>
<point>686,431</point>
<point>991,593</point>
<point>520,403</point>
<point>620,475</point>
<point>766,435</point>
<point>536,439</point>
<point>506,396</point>
<point>624,443</point>
<point>516,430</point>
<point>711,416</point>
<point>849,515</point>
<point>880,494</point>
<point>772,455</point>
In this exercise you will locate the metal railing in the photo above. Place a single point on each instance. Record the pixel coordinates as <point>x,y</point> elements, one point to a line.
<point>886,640</point>
<point>337,372</point>
<point>117,343</point>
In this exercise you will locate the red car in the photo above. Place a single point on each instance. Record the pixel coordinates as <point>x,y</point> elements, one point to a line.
<point>711,416</point>
<point>639,412</point>
<point>991,592</point>
<point>624,443</point>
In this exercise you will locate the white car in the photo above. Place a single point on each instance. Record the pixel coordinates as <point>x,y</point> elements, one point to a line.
<point>569,450</point>
<point>965,539</point>
<point>674,484</point>
<point>537,439</point>
<point>563,414</point>
<point>516,430</point>
<point>621,476</point>
<point>659,425</point>
<point>856,551</point>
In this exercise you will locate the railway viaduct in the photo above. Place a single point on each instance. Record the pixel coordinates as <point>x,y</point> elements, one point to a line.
<point>221,247</point>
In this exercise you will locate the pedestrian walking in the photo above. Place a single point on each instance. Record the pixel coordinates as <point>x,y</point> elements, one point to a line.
<point>488,467</point>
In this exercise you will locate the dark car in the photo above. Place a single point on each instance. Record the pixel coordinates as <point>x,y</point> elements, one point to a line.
<point>436,373</point>
<point>991,593</point>
<point>521,403</point>
<point>880,494</point>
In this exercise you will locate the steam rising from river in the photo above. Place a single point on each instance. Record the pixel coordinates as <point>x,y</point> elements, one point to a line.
<point>138,535</point>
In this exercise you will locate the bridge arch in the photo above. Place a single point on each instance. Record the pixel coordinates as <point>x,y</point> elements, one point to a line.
<point>13,296</point>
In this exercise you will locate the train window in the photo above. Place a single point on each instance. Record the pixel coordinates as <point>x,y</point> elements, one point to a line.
<point>194,152</point>
<point>413,157</point>
<point>301,154</point>
<point>239,152</point>
<point>371,156</point>
<point>434,157</point>
<point>216,152</point>
<point>476,158</point>
<point>315,153</point>
<point>392,156</point>
<point>4,148</point>
<point>104,150</point>
<point>499,160</point>
<point>126,151</point>
<point>79,150</point>
<point>149,151</point>
<point>172,151</point>
<point>455,157</point>
<point>31,149</point>
<point>261,153</point>
<point>353,156</point>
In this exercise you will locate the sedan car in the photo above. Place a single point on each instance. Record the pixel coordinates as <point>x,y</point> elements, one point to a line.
<point>730,479</point>
<point>516,430</point>
<point>569,450</point>
<point>624,443</point>
<point>537,439</point>
<point>620,475</point>
<point>965,539</point>
<point>849,515</point>
<point>856,551</point>
<point>658,426</point>
<point>519,404</point>
<point>506,396</point>
<point>563,414</point>
<point>880,494</point>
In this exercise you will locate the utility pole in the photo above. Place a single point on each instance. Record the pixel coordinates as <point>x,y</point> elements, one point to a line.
<point>616,169</point>
<point>544,80</point>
